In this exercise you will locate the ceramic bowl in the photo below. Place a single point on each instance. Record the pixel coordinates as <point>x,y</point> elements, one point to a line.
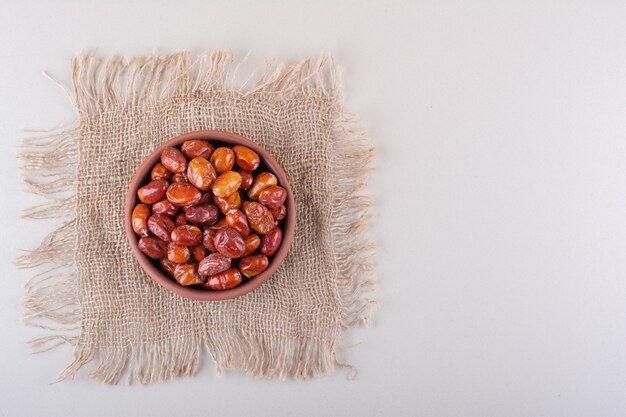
<point>151,266</point>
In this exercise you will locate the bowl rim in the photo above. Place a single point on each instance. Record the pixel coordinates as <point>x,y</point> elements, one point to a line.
<point>146,263</point>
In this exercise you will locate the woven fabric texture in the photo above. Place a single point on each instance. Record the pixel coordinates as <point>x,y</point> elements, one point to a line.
<point>91,292</point>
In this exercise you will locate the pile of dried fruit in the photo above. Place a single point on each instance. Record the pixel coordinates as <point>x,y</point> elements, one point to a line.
<point>208,217</point>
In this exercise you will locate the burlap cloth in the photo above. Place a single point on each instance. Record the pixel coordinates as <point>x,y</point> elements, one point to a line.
<point>91,292</point>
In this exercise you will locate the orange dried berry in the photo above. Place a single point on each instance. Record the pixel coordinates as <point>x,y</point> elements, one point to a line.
<point>187,235</point>
<point>179,177</point>
<point>224,280</point>
<point>223,159</point>
<point>251,266</point>
<point>178,253</point>
<point>187,274</point>
<point>251,243</point>
<point>180,219</point>
<point>153,247</point>
<point>159,172</point>
<point>207,239</point>
<point>273,197</point>
<point>201,173</point>
<point>271,242</point>
<point>261,182</point>
<point>259,218</point>
<point>152,192</point>
<point>226,184</point>
<point>278,213</point>
<point>238,221</point>
<point>203,214</point>
<point>161,226</point>
<point>165,207</point>
<point>183,194</point>
<point>139,220</point>
<point>229,242</point>
<point>221,223</point>
<point>195,148</point>
<point>226,204</point>
<point>213,264</point>
<point>174,160</point>
<point>207,197</point>
<point>246,158</point>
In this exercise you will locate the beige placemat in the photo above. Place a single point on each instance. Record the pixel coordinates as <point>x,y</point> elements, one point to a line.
<point>90,291</point>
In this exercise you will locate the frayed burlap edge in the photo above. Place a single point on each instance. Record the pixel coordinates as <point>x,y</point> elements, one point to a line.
<point>49,165</point>
<point>49,168</point>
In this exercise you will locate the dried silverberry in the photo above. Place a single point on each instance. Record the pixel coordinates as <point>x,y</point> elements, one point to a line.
<point>273,197</point>
<point>261,182</point>
<point>271,241</point>
<point>161,226</point>
<point>173,159</point>
<point>226,204</point>
<point>251,266</point>
<point>251,242</point>
<point>180,219</point>
<point>179,177</point>
<point>159,172</point>
<point>259,218</point>
<point>201,173</point>
<point>224,280</point>
<point>178,253</point>
<point>213,264</point>
<point>183,194</point>
<point>165,207</point>
<point>187,274</point>
<point>203,214</point>
<point>246,158</point>
<point>223,159</point>
<point>279,213</point>
<point>187,235</point>
<point>195,148</point>
<point>238,221</point>
<point>207,197</point>
<point>152,192</point>
<point>153,247</point>
<point>139,219</point>
<point>229,242</point>
<point>226,184</point>
<point>168,266</point>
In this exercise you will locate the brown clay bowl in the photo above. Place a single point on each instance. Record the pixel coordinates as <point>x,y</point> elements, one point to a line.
<point>152,268</point>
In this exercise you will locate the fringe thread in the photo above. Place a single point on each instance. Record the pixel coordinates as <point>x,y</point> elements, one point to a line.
<point>50,302</point>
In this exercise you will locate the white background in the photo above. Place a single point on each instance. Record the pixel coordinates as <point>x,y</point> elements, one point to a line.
<point>500,200</point>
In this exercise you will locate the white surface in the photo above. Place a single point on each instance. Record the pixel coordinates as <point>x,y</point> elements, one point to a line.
<point>499,194</point>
